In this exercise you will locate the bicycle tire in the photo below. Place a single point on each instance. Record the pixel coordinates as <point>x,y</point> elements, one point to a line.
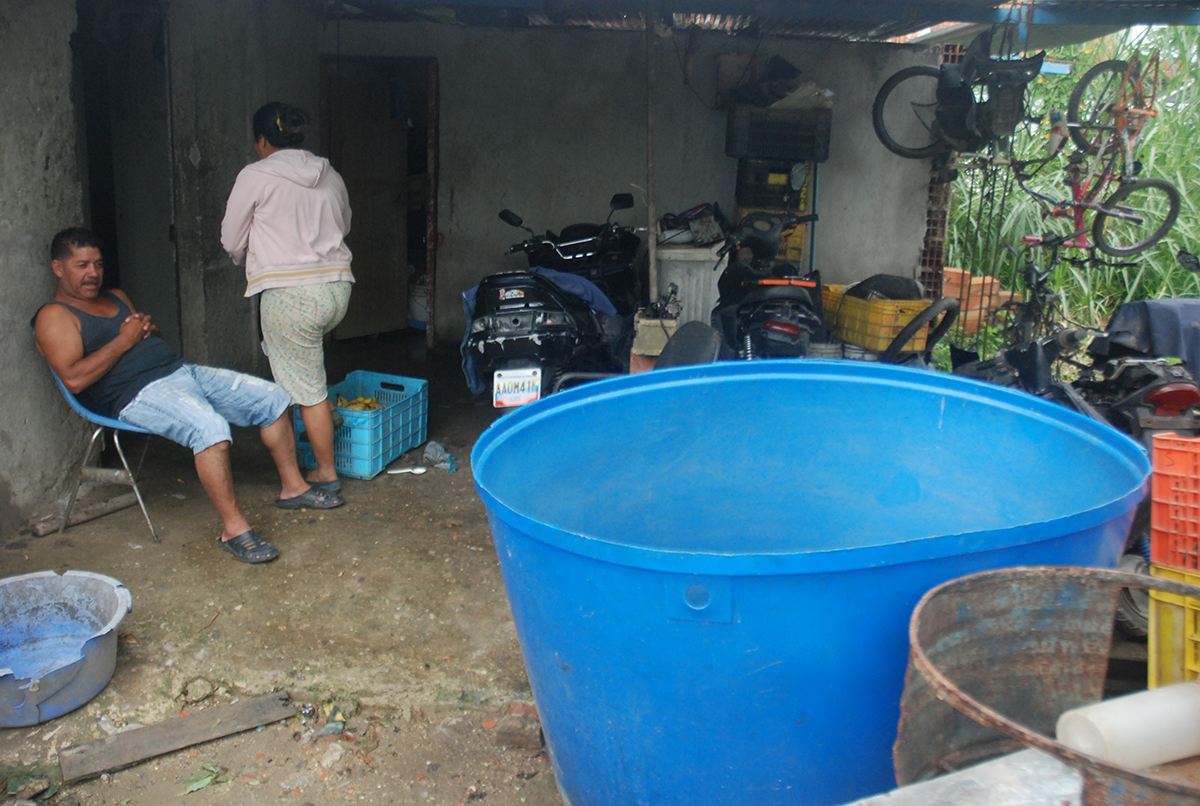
<point>1107,230</point>
<point>917,151</point>
<point>1087,124</point>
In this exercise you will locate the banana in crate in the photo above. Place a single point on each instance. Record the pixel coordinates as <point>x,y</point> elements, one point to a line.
<point>358,404</point>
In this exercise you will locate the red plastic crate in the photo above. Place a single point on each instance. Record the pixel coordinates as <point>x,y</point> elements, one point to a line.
<point>1175,502</point>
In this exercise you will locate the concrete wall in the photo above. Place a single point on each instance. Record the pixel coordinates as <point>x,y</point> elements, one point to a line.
<point>38,434</point>
<point>227,58</point>
<point>551,123</point>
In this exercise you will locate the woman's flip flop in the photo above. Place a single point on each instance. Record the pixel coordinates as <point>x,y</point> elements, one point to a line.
<point>312,498</point>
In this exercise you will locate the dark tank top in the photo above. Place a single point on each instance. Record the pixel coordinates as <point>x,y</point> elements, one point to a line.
<point>150,359</point>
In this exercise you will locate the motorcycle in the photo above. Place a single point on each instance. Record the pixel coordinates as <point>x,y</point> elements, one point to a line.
<point>1123,384</point>
<point>767,308</point>
<point>606,254</point>
<point>1141,393</point>
<point>531,332</point>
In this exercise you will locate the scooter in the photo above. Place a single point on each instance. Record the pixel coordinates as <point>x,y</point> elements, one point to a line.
<point>767,308</point>
<point>530,332</point>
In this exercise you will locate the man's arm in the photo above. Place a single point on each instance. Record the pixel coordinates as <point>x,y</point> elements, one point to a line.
<point>56,334</point>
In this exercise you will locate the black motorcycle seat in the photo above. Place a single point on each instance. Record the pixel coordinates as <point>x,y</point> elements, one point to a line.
<point>692,343</point>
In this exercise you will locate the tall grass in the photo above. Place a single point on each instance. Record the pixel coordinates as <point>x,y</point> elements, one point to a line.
<point>990,213</point>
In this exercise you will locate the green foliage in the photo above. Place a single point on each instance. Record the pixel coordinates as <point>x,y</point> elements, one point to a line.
<point>990,213</point>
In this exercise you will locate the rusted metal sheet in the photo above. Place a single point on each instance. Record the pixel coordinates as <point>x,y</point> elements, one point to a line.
<point>996,657</point>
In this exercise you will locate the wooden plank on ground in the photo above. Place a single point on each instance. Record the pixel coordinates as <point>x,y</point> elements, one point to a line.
<point>51,523</point>
<point>125,749</point>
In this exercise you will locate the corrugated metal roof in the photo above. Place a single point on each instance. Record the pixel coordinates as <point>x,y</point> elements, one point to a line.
<point>856,20</point>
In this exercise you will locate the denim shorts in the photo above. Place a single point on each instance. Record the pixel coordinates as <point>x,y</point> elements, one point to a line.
<point>195,405</point>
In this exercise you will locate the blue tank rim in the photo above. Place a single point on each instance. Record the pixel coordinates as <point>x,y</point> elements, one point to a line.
<point>1124,450</point>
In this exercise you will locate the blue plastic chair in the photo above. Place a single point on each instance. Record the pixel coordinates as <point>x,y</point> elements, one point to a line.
<point>91,473</point>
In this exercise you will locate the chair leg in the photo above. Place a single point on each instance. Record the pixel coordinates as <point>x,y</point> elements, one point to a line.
<point>133,482</point>
<point>142,459</point>
<point>66,516</point>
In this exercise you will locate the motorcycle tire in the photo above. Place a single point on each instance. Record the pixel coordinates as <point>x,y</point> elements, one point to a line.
<point>946,305</point>
<point>1132,616</point>
<point>1091,99</point>
<point>919,82</point>
<point>1156,200</point>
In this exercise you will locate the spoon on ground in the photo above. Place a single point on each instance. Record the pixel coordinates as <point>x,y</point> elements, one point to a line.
<point>416,471</point>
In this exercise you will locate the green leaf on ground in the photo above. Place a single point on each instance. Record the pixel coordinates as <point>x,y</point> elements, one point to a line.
<point>213,774</point>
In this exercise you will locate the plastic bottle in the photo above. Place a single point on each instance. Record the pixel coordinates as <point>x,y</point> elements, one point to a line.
<point>1058,132</point>
<point>1138,730</point>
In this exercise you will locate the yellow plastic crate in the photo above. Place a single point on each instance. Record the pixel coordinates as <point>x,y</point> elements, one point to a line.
<point>1174,631</point>
<point>872,323</point>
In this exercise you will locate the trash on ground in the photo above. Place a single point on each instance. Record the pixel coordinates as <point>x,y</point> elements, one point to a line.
<point>435,452</point>
<point>416,471</point>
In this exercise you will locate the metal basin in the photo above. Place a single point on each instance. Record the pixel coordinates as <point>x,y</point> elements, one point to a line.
<point>58,642</point>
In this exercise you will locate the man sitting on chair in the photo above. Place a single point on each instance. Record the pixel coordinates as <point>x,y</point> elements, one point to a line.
<point>105,351</point>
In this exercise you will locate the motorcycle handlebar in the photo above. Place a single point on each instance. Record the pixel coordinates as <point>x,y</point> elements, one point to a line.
<point>1070,339</point>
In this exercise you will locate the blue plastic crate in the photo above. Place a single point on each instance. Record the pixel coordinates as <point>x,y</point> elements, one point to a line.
<point>369,441</point>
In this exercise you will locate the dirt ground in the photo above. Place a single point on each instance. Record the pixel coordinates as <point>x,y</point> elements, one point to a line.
<point>392,608</point>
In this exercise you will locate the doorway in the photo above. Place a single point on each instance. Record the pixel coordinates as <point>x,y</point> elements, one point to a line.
<point>379,131</point>
<point>120,78</point>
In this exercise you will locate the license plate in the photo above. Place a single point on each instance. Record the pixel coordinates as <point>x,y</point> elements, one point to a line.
<point>516,387</point>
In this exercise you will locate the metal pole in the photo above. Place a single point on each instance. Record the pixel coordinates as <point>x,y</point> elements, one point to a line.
<point>651,209</point>
<point>812,228</point>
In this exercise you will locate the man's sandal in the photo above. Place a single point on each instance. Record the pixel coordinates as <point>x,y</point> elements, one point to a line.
<point>334,486</point>
<point>250,548</point>
<point>312,498</point>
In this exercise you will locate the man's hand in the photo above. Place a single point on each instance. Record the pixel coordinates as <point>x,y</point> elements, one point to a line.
<point>138,326</point>
<point>56,334</point>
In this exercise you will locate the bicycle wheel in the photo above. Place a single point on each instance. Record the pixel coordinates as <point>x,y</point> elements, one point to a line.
<point>1154,201</point>
<point>904,110</point>
<point>1088,120</point>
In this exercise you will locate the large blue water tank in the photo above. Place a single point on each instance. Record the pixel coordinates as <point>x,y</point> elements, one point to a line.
<point>711,569</point>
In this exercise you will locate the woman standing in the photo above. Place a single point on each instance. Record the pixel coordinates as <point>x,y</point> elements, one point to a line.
<point>286,220</point>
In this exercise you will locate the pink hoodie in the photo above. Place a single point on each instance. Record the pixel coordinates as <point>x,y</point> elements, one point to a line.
<point>286,219</point>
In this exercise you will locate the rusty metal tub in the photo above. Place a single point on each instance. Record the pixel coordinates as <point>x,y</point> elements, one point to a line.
<point>997,656</point>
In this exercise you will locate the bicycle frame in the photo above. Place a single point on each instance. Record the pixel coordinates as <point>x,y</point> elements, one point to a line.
<point>1133,108</point>
<point>1086,187</point>
<point>1084,193</point>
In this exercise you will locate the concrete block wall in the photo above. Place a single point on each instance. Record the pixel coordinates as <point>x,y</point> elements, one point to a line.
<point>39,436</point>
